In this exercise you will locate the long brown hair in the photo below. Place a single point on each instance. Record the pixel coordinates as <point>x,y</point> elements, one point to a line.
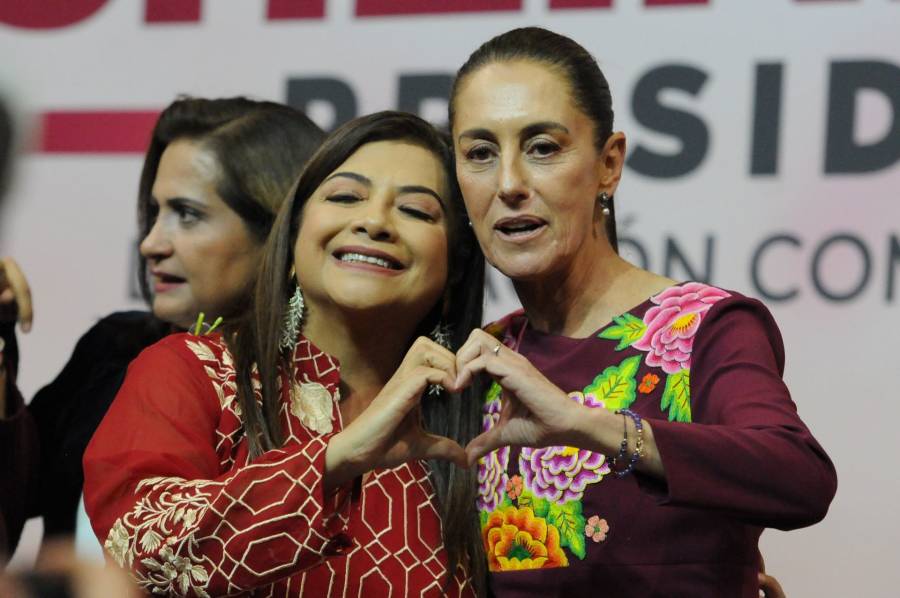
<point>256,340</point>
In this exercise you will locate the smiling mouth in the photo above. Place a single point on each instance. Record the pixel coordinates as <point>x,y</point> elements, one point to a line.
<point>353,257</point>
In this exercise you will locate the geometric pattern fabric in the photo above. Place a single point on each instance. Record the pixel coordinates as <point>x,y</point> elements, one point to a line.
<point>172,494</point>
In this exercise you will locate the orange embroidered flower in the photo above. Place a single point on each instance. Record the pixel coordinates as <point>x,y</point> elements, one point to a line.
<point>514,487</point>
<point>648,383</point>
<point>516,539</point>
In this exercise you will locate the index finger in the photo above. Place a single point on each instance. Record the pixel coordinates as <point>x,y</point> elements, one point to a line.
<point>478,343</point>
<point>21,292</point>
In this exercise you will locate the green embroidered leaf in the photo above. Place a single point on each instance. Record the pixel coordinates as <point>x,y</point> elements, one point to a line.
<point>483,515</point>
<point>677,396</point>
<point>506,502</point>
<point>567,518</point>
<point>538,505</point>
<point>616,385</point>
<point>628,329</point>
<point>493,393</point>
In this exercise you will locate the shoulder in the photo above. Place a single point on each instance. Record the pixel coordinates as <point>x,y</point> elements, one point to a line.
<point>189,348</point>
<point>736,324</point>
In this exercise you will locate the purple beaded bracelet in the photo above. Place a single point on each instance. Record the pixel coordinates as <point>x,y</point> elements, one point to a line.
<point>638,444</point>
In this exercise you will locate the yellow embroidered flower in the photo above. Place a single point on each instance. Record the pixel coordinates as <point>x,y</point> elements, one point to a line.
<point>516,539</point>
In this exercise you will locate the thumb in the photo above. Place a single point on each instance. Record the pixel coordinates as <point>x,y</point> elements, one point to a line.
<point>484,443</point>
<point>441,447</point>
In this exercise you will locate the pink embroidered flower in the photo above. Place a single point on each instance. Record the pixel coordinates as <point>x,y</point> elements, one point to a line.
<point>673,322</point>
<point>596,529</point>
<point>492,476</point>
<point>514,487</point>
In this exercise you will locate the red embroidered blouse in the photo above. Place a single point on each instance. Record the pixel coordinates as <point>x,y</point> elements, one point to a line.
<point>172,496</point>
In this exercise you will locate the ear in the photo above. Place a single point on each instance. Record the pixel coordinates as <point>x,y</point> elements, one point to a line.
<point>610,163</point>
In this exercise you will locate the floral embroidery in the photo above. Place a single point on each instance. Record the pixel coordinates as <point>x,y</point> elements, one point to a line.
<point>615,387</point>
<point>492,476</point>
<point>672,324</point>
<point>671,327</point>
<point>515,539</point>
<point>596,529</point>
<point>553,480</point>
<point>150,531</point>
<point>311,403</point>
<point>648,383</point>
<point>514,487</point>
<point>561,473</point>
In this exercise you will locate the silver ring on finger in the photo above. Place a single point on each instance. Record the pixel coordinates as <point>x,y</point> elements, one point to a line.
<point>496,349</point>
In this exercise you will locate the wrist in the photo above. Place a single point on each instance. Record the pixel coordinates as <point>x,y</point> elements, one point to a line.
<point>341,465</point>
<point>598,430</point>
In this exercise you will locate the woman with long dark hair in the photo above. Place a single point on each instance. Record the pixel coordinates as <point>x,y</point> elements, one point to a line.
<point>638,436</point>
<point>310,448</point>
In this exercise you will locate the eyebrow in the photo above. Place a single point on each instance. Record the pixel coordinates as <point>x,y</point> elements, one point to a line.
<point>542,127</point>
<point>404,189</point>
<point>529,131</point>
<point>177,200</point>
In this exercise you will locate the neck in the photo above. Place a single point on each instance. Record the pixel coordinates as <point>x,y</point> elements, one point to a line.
<point>369,347</point>
<point>578,299</point>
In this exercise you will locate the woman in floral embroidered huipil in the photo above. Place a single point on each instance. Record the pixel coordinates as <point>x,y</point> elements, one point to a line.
<point>683,389</point>
<point>287,463</point>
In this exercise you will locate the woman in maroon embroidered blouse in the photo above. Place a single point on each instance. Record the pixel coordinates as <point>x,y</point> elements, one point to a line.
<point>695,369</point>
<point>296,464</point>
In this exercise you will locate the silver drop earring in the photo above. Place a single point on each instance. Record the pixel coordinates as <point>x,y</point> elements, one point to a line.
<point>604,200</point>
<point>441,334</point>
<point>293,320</point>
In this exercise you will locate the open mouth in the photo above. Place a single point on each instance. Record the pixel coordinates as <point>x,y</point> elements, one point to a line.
<point>367,258</point>
<point>163,278</point>
<point>520,226</point>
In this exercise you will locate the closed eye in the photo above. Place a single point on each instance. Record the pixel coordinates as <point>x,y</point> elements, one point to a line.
<point>417,213</point>
<point>342,198</point>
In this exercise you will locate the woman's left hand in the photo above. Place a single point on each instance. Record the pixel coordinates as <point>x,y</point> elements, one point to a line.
<point>535,412</point>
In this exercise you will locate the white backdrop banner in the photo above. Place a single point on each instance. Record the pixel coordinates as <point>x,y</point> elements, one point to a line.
<point>764,156</point>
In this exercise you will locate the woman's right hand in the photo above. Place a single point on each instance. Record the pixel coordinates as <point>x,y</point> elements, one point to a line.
<point>389,432</point>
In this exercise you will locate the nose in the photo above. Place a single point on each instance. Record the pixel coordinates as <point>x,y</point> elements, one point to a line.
<point>375,220</point>
<point>156,245</point>
<point>512,187</point>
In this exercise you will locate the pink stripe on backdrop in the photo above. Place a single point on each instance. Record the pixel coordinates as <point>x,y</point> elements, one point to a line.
<point>557,4</point>
<point>374,8</point>
<point>99,132</point>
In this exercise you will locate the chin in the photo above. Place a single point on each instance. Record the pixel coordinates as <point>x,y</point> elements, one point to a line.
<point>522,267</point>
<point>175,315</point>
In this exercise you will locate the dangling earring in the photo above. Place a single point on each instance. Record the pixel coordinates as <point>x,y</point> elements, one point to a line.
<point>441,334</point>
<point>604,200</point>
<point>293,319</point>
